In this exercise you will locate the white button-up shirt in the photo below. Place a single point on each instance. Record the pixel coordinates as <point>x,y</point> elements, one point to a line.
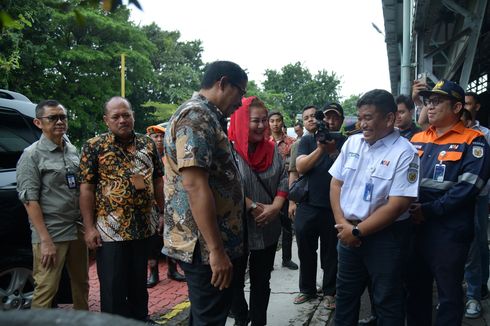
<point>390,166</point>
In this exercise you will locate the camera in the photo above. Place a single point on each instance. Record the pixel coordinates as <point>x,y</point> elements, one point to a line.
<point>322,133</point>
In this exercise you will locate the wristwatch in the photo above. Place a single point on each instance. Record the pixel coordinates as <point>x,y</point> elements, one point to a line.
<point>356,232</point>
<point>253,206</point>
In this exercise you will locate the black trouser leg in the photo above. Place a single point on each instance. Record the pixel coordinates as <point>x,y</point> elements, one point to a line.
<point>261,263</point>
<point>239,306</point>
<point>121,268</point>
<point>287,235</point>
<point>328,251</point>
<point>307,234</point>
<point>209,305</point>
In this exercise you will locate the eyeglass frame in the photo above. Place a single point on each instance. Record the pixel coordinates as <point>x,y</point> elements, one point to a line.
<point>55,117</point>
<point>240,89</point>
<point>439,99</point>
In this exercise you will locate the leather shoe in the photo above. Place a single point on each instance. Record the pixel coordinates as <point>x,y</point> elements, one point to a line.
<point>368,321</point>
<point>176,276</point>
<point>153,279</point>
<point>290,264</point>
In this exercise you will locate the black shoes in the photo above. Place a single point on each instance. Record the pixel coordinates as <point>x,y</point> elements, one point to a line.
<point>172,273</point>
<point>290,264</point>
<point>153,279</point>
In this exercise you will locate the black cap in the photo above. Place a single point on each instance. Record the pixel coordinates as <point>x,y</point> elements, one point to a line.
<point>448,88</point>
<point>333,107</point>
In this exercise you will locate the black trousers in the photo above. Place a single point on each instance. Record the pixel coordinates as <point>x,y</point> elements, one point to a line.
<point>312,223</point>
<point>260,268</point>
<point>381,260</point>
<point>209,305</point>
<point>435,256</point>
<point>287,234</point>
<point>121,267</point>
<point>155,248</point>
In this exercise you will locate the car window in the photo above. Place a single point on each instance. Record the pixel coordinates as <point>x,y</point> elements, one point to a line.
<point>16,133</point>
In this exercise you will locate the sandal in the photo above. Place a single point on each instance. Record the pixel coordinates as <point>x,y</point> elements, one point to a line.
<point>329,302</point>
<point>303,297</point>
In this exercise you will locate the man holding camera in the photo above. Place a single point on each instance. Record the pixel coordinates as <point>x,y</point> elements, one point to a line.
<point>314,218</point>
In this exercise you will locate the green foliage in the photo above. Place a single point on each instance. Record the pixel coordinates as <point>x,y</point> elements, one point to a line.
<point>294,87</point>
<point>349,104</point>
<point>163,111</point>
<point>11,36</point>
<point>71,52</point>
<point>177,65</point>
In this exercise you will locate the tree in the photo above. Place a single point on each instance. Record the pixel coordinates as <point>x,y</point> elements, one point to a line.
<point>79,63</point>
<point>177,66</point>
<point>349,104</point>
<point>294,87</point>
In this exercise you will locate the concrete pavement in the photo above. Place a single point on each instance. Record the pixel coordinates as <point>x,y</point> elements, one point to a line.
<point>283,312</point>
<point>169,305</point>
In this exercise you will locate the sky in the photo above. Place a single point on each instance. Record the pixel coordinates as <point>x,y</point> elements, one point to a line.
<point>332,35</point>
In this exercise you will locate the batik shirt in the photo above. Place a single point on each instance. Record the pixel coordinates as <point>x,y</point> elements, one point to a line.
<point>196,138</point>
<point>122,212</point>
<point>284,146</point>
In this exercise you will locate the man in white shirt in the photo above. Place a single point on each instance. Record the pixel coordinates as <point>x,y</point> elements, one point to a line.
<point>374,181</point>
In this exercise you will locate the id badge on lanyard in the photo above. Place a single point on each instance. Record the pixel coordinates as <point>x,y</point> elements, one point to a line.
<point>368,191</point>
<point>71,180</point>
<point>440,169</point>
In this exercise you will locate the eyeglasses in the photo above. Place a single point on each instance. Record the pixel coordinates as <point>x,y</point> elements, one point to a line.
<point>55,117</point>
<point>434,101</point>
<point>240,89</point>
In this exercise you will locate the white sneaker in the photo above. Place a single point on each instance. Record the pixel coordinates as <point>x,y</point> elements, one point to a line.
<point>472,309</point>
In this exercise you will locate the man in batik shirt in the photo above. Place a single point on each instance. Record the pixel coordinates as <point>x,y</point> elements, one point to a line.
<point>121,180</point>
<point>204,198</point>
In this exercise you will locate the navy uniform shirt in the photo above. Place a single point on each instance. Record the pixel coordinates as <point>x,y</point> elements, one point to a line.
<point>454,168</point>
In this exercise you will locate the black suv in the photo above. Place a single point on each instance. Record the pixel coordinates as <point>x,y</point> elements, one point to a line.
<point>17,131</point>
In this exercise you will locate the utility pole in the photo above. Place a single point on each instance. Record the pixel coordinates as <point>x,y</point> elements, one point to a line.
<point>405,86</point>
<point>123,74</point>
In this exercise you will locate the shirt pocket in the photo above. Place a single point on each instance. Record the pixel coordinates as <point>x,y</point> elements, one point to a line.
<point>382,178</point>
<point>350,167</point>
<point>53,173</point>
<point>450,157</point>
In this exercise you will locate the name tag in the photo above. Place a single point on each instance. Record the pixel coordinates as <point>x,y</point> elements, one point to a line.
<point>71,180</point>
<point>439,171</point>
<point>368,191</point>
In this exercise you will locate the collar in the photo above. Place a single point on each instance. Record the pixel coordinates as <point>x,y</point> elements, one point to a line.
<point>458,127</point>
<point>387,140</point>
<point>476,125</point>
<point>213,108</point>
<point>48,144</point>
<point>116,140</point>
<point>280,139</point>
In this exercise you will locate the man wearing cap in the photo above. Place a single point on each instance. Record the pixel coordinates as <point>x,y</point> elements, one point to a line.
<point>453,170</point>
<point>314,217</point>
<point>157,133</point>
<point>334,116</point>
<point>283,143</point>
